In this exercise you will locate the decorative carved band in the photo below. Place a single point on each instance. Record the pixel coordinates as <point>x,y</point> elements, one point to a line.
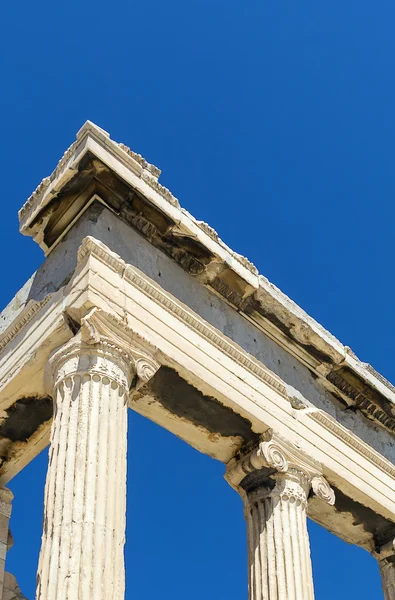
<point>90,246</point>
<point>370,409</point>
<point>23,319</point>
<point>353,441</point>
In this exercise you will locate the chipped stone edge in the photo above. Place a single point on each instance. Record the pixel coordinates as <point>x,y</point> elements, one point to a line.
<point>306,329</point>
<point>92,247</point>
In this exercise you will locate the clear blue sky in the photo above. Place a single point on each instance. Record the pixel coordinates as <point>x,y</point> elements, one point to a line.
<point>273,121</point>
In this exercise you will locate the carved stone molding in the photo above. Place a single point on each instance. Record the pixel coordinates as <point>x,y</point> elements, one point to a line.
<point>23,319</point>
<point>274,481</point>
<point>276,456</point>
<point>102,337</point>
<point>90,246</point>
<point>367,401</point>
<point>353,441</point>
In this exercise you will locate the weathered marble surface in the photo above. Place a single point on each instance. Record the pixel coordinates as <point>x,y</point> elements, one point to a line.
<point>82,553</point>
<point>135,250</point>
<point>139,304</point>
<point>11,589</point>
<point>6,498</point>
<point>274,482</point>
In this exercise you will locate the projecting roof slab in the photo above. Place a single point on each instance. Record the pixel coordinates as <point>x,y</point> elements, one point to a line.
<point>98,169</point>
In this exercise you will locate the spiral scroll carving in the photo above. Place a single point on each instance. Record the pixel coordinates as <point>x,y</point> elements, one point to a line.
<point>145,369</point>
<point>102,329</point>
<point>323,490</point>
<point>273,456</point>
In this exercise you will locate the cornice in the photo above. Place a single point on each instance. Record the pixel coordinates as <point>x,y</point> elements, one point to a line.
<point>32,204</point>
<point>361,400</point>
<point>258,295</point>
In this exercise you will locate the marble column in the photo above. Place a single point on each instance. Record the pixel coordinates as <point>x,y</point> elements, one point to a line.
<point>6,498</point>
<point>385,556</point>
<point>274,482</point>
<point>82,554</point>
<point>387,570</point>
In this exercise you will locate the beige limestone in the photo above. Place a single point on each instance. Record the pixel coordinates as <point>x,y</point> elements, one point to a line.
<point>11,589</point>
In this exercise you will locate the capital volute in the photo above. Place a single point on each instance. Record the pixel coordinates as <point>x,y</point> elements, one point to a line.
<point>276,458</point>
<point>105,347</point>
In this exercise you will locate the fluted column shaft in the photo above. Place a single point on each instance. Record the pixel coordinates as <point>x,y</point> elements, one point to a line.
<point>82,554</point>
<point>278,541</point>
<point>6,497</point>
<point>387,570</point>
<point>274,480</point>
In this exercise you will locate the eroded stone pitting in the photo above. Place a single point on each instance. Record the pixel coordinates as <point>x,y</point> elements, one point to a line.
<point>138,303</point>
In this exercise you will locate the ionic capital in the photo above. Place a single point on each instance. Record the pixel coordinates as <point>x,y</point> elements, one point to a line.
<point>105,347</point>
<point>275,458</point>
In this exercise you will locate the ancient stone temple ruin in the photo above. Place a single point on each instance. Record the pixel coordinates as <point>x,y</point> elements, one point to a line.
<point>139,305</point>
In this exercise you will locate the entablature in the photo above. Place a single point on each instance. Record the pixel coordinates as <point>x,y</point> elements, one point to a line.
<point>96,169</point>
<point>198,360</point>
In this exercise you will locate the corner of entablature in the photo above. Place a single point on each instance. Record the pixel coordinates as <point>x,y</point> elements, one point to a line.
<point>275,455</point>
<point>111,334</point>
